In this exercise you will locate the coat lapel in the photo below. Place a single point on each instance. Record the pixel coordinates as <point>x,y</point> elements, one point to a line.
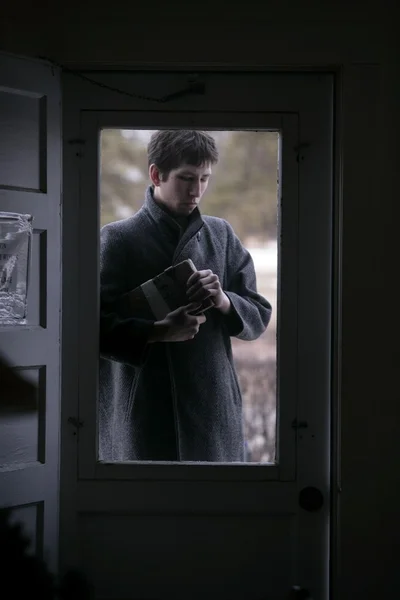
<point>169,228</point>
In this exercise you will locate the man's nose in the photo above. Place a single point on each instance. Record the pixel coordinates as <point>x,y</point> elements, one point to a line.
<point>195,189</point>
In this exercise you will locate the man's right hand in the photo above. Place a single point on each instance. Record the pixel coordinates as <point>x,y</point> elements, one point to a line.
<point>179,325</point>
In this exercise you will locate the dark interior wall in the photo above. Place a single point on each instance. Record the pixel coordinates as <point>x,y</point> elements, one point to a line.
<point>284,33</point>
<point>360,39</point>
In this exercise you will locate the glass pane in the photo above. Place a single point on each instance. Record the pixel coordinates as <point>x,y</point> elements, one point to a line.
<point>243,190</point>
<point>15,253</point>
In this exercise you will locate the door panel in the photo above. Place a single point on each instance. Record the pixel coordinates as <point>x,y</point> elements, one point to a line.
<point>224,531</point>
<point>30,183</point>
<point>203,544</point>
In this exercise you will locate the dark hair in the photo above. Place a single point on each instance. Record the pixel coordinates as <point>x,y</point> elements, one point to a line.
<point>170,148</point>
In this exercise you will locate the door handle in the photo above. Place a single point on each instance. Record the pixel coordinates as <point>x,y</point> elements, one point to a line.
<point>311,499</point>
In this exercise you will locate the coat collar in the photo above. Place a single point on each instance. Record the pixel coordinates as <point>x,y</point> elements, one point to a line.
<point>162,217</point>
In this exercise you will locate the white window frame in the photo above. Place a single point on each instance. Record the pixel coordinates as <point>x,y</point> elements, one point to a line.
<point>286,469</point>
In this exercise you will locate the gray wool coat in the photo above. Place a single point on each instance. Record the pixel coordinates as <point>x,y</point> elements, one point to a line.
<point>173,400</point>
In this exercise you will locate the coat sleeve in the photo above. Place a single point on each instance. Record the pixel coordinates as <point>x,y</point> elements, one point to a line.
<point>250,312</point>
<point>122,339</point>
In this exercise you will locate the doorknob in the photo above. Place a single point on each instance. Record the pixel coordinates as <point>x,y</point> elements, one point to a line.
<point>311,499</point>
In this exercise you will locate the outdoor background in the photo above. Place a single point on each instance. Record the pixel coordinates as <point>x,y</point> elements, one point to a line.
<point>244,191</point>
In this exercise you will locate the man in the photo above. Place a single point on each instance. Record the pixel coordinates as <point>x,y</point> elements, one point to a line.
<point>168,389</point>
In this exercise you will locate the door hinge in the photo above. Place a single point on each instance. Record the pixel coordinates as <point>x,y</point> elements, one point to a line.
<point>299,150</point>
<point>75,422</point>
<point>77,142</point>
<point>299,424</point>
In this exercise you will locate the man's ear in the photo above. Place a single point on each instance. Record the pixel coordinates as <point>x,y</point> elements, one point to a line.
<point>155,175</point>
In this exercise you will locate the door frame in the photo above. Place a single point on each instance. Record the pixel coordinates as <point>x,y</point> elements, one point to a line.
<point>71,252</point>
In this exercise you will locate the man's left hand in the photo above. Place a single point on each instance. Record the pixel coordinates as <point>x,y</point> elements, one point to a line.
<point>206,284</point>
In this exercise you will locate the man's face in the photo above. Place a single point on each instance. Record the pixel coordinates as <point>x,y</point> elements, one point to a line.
<point>183,189</point>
